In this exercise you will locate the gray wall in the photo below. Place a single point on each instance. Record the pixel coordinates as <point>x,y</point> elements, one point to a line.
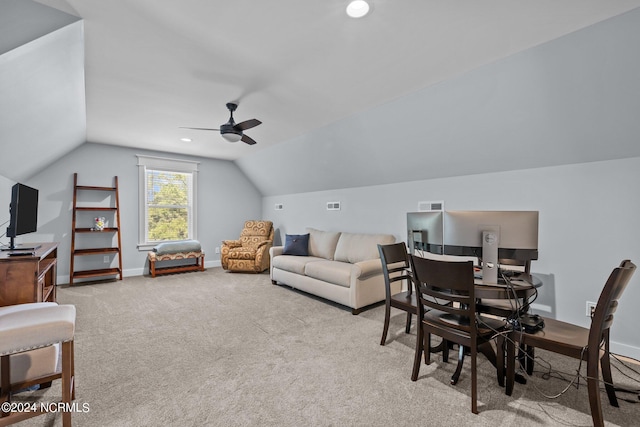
<point>225,200</point>
<point>5,201</point>
<point>588,224</point>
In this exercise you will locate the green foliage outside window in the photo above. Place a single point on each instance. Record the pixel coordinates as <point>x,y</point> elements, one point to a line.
<point>168,205</point>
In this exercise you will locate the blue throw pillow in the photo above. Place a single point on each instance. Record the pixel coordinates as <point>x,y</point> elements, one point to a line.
<point>296,244</point>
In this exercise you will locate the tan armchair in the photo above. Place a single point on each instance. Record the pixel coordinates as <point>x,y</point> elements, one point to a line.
<point>250,253</point>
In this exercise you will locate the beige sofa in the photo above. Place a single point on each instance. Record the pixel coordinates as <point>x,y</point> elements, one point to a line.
<point>341,267</point>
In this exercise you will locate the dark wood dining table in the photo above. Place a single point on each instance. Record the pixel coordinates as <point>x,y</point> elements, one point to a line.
<point>522,286</point>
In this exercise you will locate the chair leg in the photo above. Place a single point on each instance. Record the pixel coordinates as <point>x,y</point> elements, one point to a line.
<point>500,354</point>
<point>5,382</point>
<point>456,375</point>
<point>67,381</point>
<point>407,328</point>
<point>511,366</point>
<point>73,370</point>
<point>474,379</point>
<point>445,351</point>
<point>605,364</point>
<point>593,387</point>
<point>427,348</point>
<point>385,329</point>
<point>529,358</point>
<point>417,359</point>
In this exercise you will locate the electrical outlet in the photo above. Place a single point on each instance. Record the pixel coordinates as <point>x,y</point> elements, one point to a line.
<point>217,250</point>
<point>591,308</point>
<point>106,258</point>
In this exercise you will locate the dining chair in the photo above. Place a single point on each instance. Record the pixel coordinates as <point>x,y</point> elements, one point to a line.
<point>447,288</point>
<point>27,327</point>
<point>588,344</point>
<point>395,268</point>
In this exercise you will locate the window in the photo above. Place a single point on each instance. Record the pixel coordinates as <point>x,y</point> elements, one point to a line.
<point>167,200</point>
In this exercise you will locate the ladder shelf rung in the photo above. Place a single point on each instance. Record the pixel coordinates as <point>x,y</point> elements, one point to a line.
<point>96,251</point>
<point>96,273</point>
<point>91,230</point>
<point>94,188</point>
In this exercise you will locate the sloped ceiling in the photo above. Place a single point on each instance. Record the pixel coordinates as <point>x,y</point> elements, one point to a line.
<point>42,96</point>
<point>572,100</point>
<point>152,66</point>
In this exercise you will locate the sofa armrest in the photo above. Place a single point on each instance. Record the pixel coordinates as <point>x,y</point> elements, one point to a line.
<point>368,268</point>
<point>275,251</point>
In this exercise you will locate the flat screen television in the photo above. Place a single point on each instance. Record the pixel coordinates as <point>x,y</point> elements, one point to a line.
<point>424,231</point>
<point>517,233</point>
<point>23,215</point>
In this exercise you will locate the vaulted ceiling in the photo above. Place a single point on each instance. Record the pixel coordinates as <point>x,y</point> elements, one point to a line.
<point>152,66</point>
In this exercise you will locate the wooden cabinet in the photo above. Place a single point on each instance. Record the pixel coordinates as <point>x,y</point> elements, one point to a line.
<point>30,278</point>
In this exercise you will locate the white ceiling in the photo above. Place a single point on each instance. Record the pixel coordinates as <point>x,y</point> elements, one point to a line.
<point>297,65</point>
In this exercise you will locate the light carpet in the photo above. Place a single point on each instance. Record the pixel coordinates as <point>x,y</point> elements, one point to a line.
<point>225,349</point>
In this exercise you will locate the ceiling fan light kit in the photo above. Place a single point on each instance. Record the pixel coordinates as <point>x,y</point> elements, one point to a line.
<point>357,8</point>
<point>231,137</point>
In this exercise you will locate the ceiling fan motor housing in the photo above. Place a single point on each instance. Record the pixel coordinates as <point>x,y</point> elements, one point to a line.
<point>229,133</point>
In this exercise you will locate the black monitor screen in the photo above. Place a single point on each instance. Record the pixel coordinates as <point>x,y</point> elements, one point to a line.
<point>518,233</point>
<point>24,210</point>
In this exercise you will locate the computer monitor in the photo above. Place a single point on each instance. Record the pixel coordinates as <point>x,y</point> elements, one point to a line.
<point>23,216</point>
<point>492,236</point>
<point>424,231</point>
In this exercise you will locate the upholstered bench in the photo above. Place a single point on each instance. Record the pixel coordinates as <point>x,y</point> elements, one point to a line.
<point>172,251</point>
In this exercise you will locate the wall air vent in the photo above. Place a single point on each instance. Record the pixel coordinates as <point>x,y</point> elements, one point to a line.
<point>279,206</point>
<point>333,206</point>
<point>431,206</point>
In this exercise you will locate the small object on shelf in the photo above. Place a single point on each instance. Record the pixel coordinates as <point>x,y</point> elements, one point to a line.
<point>98,223</point>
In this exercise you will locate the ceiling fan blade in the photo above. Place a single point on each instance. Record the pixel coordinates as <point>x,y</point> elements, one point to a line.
<point>183,127</point>
<point>247,140</point>
<point>247,124</point>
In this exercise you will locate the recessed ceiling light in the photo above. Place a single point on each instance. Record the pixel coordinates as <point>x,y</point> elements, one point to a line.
<point>357,8</point>
<point>185,139</point>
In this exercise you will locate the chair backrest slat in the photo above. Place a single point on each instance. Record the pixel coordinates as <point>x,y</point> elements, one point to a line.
<point>395,266</point>
<point>608,302</point>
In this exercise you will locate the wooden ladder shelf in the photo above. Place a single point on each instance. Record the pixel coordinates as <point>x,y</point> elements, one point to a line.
<point>114,211</point>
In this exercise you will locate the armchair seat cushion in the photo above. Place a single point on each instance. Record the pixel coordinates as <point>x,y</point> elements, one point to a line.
<point>242,253</point>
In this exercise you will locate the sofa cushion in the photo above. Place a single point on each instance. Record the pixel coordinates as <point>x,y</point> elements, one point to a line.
<point>323,243</point>
<point>296,244</point>
<point>338,273</point>
<point>360,247</point>
<point>292,263</point>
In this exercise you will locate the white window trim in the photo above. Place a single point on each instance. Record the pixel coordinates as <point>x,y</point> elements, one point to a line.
<point>167,164</point>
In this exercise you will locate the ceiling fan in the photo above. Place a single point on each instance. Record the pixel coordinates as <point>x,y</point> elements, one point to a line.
<point>232,131</point>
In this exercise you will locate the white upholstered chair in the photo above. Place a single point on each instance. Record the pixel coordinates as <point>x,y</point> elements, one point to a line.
<point>29,335</point>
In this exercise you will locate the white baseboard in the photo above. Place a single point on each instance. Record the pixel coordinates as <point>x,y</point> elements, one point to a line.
<point>624,349</point>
